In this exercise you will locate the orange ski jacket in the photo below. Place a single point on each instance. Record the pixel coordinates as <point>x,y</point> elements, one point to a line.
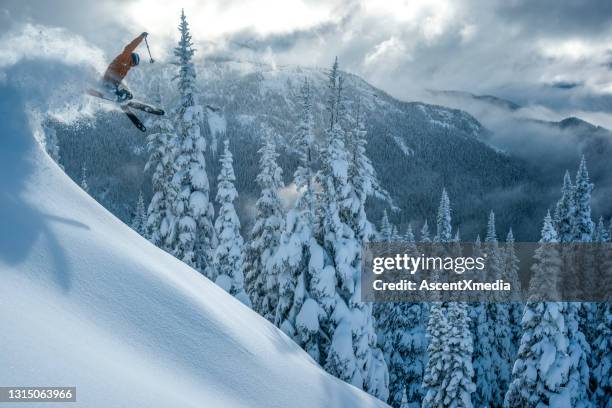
<point>119,68</point>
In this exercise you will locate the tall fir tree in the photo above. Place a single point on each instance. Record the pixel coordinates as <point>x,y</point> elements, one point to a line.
<point>581,316</point>
<point>546,371</point>
<point>481,329</point>
<point>261,277</point>
<point>601,373</point>
<point>361,175</point>
<point>582,224</point>
<point>299,258</point>
<point>444,232</point>
<point>162,147</point>
<point>498,318</point>
<point>228,260</point>
<point>448,377</point>
<point>139,221</point>
<point>386,229</point>
<point>84,184</point>
<point>395,235</point>
<point>511,269</point>
<point>401,336</point>
<point>565,211</point>
<point>352,354</point>
<point>425,234</point>
<point>601,232</point>
<point>195,238</point>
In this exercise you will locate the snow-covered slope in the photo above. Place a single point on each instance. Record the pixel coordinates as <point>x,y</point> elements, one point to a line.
<point>86,302</point>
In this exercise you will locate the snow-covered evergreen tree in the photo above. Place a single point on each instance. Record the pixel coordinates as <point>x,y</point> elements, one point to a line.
<point>409,238</point>
<point>565,210</point>
<point>498,318</point>
<point>162,148</point>
<point>444,232</point>
<point>484,374</point>
<point>511,268</point>
<point>601,232</point>
<point>228,260</point>
<point>332,94</point>
<point>447,380</point>
<point>425,234</point>
<point>546,372</point>
<point>582,225</point>
<point>362,177</point>
<point>261,278</point>
<point>195,237</point>
<point>395,235</point>
<point>581,316</point>
<point>401,335</point>
<point>139,221</point>
<point>448,375</point>
<point>386,229</point>
<point>601,373</point>
<point>305,283</point>
<point>84,184</point>
<point>352,354</point>
<point>603,309</point>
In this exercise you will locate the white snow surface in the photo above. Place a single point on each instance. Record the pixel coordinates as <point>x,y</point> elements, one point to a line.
<point>87,302</point>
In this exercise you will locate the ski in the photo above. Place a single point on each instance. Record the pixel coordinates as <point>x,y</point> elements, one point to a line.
<point>133,118</point>
<point>145,107</point>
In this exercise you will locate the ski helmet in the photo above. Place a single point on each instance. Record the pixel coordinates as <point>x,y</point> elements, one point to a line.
<point>135,59</point>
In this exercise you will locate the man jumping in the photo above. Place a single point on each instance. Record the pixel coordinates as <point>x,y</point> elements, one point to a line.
<point>115,90</point>
<point>119,68</point>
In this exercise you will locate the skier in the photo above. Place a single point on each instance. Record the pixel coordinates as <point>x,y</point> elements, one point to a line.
<point>115,90</point>
<point>119,68</point>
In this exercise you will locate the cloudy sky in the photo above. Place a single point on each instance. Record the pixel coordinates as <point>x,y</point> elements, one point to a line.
<point>556,55</point>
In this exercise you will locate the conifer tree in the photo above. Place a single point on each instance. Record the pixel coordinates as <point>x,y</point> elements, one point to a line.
<point>581,316</point>
<point>352,354</point>
<point>511,268</point>
<point>498,318</point>
<point>444,230</point>
<point>84,184</point>
<point>139,221</point>
<point>601,356</point>
<point>425,235</point>
<point>401,336</point>
<point>261,278</point>
<point>409,238</point>
<point>162,147</point>
<point>228,258</point>
<point>481,329</point>
<point>546,372</point>
<point>601,233</point>
<point>582,225</point>
<point>447,380</point>
<point>195,237</point>
<point>300,257</point>
<point>362,177</point>
<point>395,236</point>
<point>565,210</point>
<point>386,230</point>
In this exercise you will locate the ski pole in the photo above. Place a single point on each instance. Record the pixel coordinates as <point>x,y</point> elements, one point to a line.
<point>149,50</point>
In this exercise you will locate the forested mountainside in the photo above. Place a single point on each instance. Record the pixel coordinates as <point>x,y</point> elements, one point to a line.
<point>416,148</point>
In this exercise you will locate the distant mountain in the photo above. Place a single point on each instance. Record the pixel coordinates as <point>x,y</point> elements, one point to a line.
<point>489,99</point>
<point>547,147</point>
<point>417,148</point>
